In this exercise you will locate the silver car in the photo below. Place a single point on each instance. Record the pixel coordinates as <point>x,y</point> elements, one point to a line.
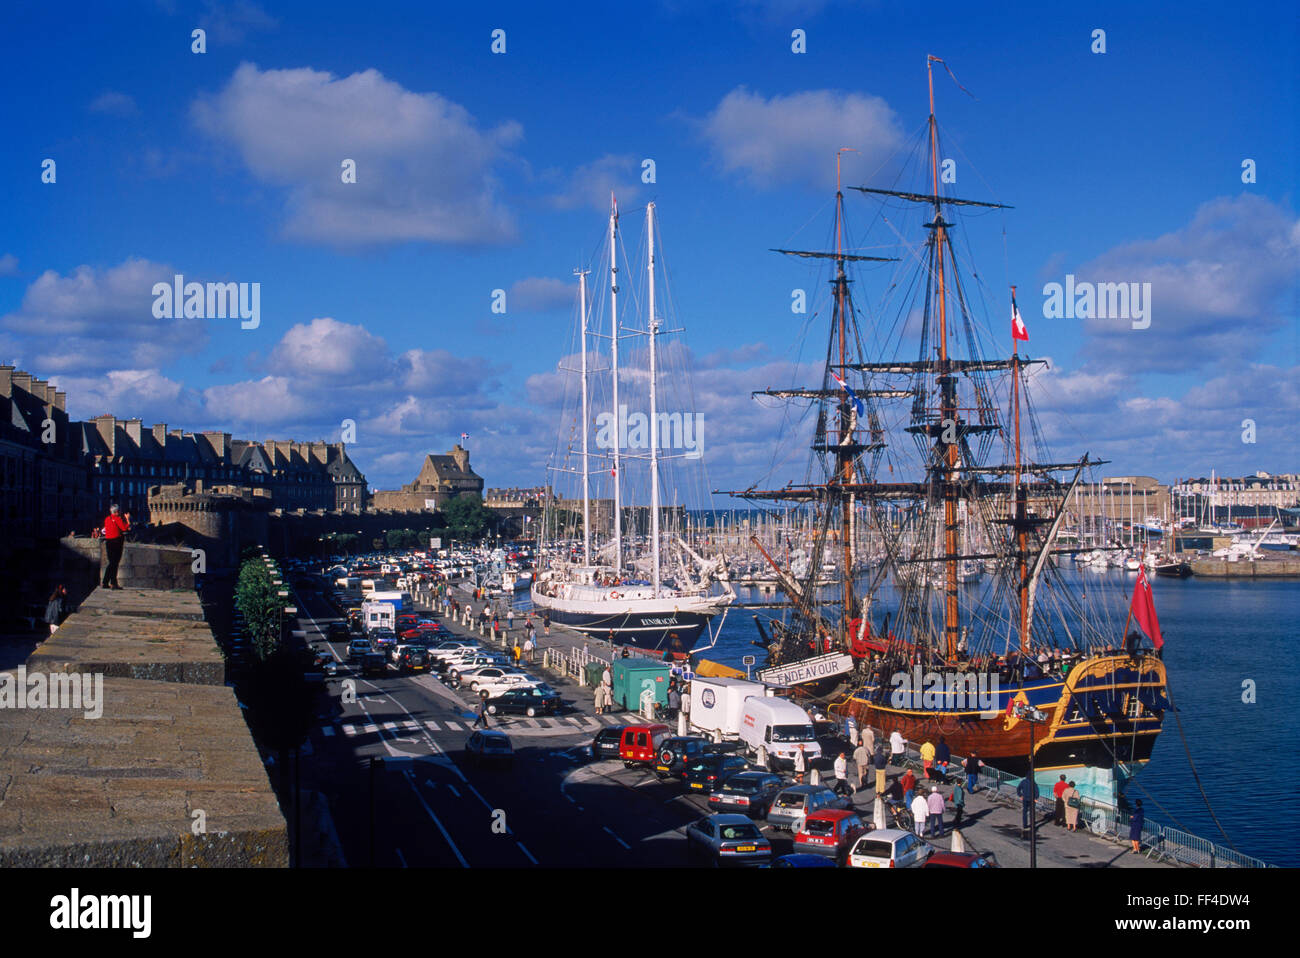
<point>792,805</point>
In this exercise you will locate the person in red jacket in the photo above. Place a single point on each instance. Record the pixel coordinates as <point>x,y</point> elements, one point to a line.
<point>116,527</point>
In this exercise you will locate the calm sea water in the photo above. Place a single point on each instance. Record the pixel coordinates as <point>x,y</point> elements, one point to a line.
<point>1218,636</point>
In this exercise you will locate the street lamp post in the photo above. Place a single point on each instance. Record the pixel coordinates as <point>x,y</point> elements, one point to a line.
<point>1027,713</point>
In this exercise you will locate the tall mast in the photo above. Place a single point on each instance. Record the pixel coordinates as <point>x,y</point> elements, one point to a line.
<point>586,420</point>
<point>1021,523</point>
<point>844,450</point>
<point>613,324</point>
<point>654,412</point>
<point>948,395</point>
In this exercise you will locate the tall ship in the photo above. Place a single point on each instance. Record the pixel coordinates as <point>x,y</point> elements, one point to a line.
<point>926,449</point>
<point>614,571</point>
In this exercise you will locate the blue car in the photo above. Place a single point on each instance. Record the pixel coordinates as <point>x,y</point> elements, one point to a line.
<point>802,860</point>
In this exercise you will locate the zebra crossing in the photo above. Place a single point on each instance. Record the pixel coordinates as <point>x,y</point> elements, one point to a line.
<point>567,724</point>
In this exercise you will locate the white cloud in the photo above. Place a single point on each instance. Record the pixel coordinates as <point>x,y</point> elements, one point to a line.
<point>592,184</point>
<point>128,393</point>
<point>328,349</point>
<point>97,319</point>
<point>541,294</point>
<point>1220,286</point>
<point>794,137</point>
<point>114,103</point>
<point>424,166</point>
<point>267,402</point>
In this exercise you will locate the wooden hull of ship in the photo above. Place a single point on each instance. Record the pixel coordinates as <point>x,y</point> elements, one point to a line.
<point>1067,738</point>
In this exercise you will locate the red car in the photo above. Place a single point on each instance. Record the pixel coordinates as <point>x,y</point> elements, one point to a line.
<point>830,832</point>
<point>961,860</point>
<point>640,743</point>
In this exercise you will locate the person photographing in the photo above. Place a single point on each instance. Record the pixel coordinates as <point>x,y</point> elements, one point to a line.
<point>116,526</point>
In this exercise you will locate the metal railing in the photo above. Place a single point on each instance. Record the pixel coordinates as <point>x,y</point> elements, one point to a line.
<point>1161,843</point>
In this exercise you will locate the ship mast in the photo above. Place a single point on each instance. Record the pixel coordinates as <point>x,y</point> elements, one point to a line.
<point>845,450</point>
<point>1021,523</point>
<point>586,419</point>
<point>947,382</point>
<point>654,413</point>
<point>613,323</point>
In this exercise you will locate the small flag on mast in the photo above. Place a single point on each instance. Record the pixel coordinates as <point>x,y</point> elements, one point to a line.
<point>1018,330</point>
<point>464,436</point>
<point>853,397</point>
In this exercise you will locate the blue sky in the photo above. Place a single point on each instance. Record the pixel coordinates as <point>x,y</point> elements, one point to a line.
<point>479,172</point>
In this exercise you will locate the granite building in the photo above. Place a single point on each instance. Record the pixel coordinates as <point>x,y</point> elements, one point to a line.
<point>440,479</point>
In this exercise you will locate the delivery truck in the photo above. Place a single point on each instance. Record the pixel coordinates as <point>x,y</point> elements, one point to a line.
<point>401,601</point>
<point>738,709</point>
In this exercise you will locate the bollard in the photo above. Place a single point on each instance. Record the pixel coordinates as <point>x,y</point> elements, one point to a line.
<point>681,722</point>
<point>878,813</point>
<point>958,843</point>
<point>815,777</point>
<point>494,633</point>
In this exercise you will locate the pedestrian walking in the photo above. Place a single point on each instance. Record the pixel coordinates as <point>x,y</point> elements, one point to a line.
<point>958,804</point>
<point>1028,792</point>
<point>510,619</point>
<point>600,699</point>
<point>517,653</point>
<point>54,608</point>
<point>880,763</point>
<point>841,766</point>
<point>482,720</point>
<point>1058,811</point>
<point>1135,823</point>
<point>800,765</point>
<point>674,701</point>
<point>1072,803</point>
<point>973,766</point>
<point>920,813</point>
<point>862,759</point>
<point>908,781</point>
<point>546,622</point>
<point>927,758</point>
<point>935,823</point>
<point>528,649</point>
<point>868,737</point>
<point>896,747</point>
<point>942,756</point>
<point>116,525</point>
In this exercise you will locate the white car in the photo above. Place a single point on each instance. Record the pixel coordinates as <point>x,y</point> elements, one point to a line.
<point>487,672</point>
<point>463,668</point>
<point>495,686</point>
<point>889,848</point>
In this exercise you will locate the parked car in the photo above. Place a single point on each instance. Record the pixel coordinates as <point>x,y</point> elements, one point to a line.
<point>709,771</point>
<point>639,744</point>
<point>677,753</point>
<point>529,700</point>
<point>830,832</point>
<point>480,667</point>
<point>606,742</point>
<point>793,804</point>
<point>414,658</point>
<point>802,860</point>
<point>503,683</point>
<point>961,860</point>
<point>358,648</point>
<point>748,792</point>
<point>330,667</point>
<point>489,745</point>
<point>374,663</point>
<point>727,840</point>
<point>889,848</point>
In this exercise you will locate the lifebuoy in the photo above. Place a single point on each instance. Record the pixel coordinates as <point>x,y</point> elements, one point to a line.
<point>616,595</point>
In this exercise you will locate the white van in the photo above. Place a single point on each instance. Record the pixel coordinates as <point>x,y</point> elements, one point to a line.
<point>378,615</point>
<point>778,726</point>
<point>717,703</point>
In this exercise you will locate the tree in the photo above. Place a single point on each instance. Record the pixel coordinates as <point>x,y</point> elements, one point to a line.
<point>467,517</point>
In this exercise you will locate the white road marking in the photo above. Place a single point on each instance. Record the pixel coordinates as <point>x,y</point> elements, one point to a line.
<point>575,721</point>
<point>413,726</point>
<point>432,726</point>
<point>616,838</point>
<point>349,730</point>
<point>410,780</point>
<point>390,726</point>
<point>452,726</point>
<point>371,729</point>
<point>526,852</point>
<point>486,803</point>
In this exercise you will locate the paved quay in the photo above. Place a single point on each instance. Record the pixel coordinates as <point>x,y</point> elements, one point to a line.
<point>167,776</point>
<point>992,820</point>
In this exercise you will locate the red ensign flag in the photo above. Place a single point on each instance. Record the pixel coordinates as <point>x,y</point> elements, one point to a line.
<point>1144,609</point>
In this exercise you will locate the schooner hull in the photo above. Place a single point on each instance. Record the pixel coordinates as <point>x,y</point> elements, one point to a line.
<point>1091,720</point>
